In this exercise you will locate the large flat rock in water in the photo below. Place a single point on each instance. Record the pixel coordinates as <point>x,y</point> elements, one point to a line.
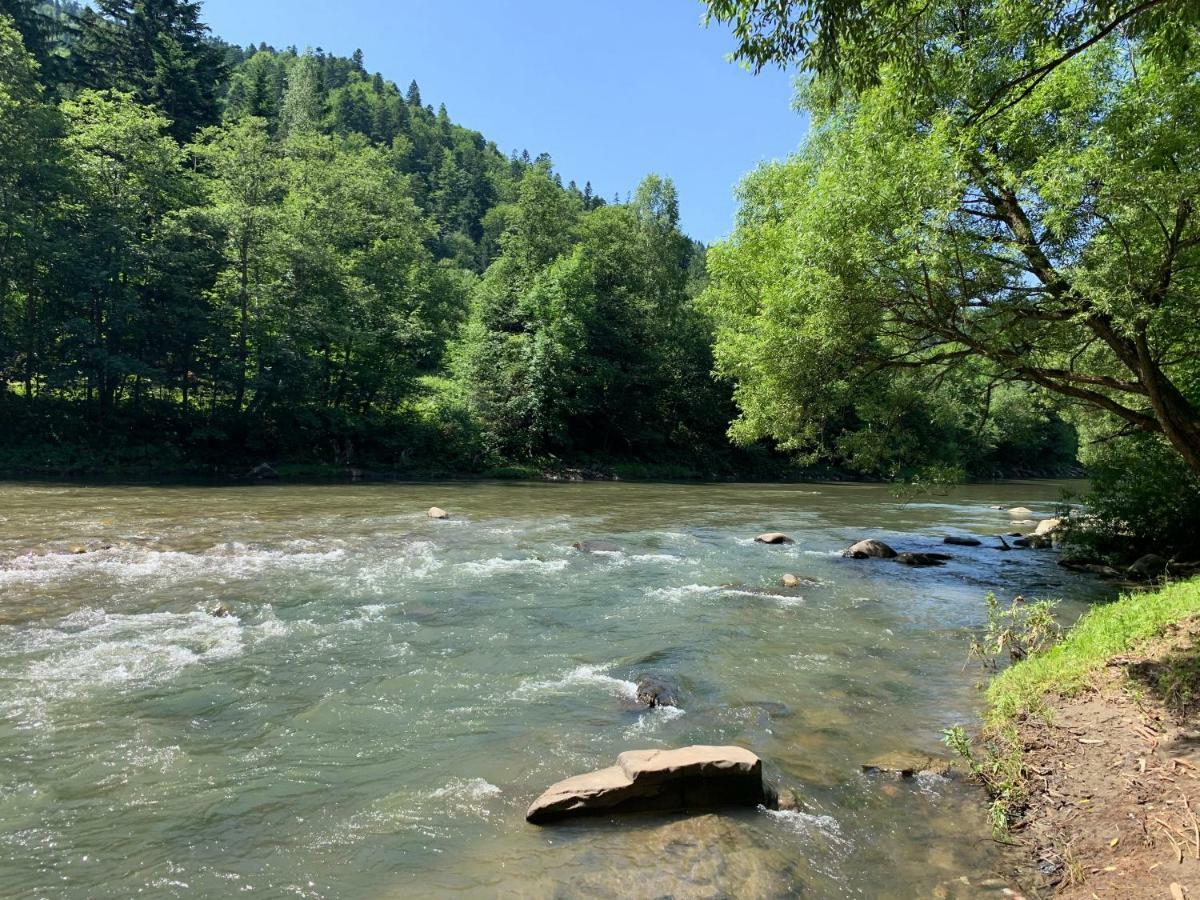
<point>698,777</point>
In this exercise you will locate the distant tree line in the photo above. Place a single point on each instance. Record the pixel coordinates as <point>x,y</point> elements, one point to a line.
<point>213,255</point>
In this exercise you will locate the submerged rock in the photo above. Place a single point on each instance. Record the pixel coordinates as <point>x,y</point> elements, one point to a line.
<point>1076,564</point>
<point>1020,512</point>
<point>436,512</point>
<point>957,541</point>
<point>869,549</point>
<point>220,611</point>
<point>697,777</point>
<point>773,537</point>
<point>704,857</point>
<point>596,547</point>
<point>922,560</point>
<point>907,765</point>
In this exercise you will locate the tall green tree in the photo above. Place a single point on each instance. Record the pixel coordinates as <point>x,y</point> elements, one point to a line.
<point>30,183</point>
<point>245,188</point>
<point>851,44</point>
<point>303,108</point>
<point>1054,240</point>
<point>128,185</point>
<point>159,51</point>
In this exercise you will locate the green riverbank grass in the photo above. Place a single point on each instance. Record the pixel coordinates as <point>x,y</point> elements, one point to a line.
<point>1099,635</point>
<point>1067,668</point>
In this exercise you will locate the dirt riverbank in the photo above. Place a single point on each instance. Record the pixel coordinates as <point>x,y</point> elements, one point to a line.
<point>1113,780</point>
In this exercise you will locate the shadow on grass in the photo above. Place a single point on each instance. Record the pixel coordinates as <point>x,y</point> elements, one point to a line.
<point>1173,679</point>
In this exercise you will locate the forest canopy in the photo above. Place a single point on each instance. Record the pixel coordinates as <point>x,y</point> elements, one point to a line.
<point>1011,213</point>
<point>982,261</point>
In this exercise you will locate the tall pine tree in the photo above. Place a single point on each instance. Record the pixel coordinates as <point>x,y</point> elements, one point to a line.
<point>159,51</point>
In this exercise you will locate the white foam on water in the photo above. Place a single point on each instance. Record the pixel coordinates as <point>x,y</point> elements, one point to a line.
<point>658,557</point>
<point>123,564</point>
<point>807,823</point>
<point>580,676</point>
<point>784,599</point>
<point>500,565</point>
<point>91,649</point>
<point>651,720</point>
<point>417,561</point>
<point>928,783</point>
<point>472,789</point>
<point>681,592</point>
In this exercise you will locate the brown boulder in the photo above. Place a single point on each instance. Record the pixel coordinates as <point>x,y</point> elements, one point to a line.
<point>774,537</point>
<point>697,777</point>
<point>869,549</point>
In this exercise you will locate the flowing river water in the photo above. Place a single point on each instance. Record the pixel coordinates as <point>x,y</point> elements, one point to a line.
<point>391,692</point>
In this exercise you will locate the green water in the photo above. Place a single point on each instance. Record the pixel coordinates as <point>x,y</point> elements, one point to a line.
<point>392,692</point>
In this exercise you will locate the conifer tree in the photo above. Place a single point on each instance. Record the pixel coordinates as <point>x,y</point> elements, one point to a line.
<point>159,51</point>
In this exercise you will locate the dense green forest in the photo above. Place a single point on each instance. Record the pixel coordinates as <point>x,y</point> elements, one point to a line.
<point>212,256</point>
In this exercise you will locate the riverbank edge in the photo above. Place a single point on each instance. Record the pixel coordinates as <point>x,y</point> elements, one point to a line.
<point>616,470</point>
<point>1052,717</point>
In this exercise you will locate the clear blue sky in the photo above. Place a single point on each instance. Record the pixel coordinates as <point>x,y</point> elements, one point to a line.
<point>611,89</point>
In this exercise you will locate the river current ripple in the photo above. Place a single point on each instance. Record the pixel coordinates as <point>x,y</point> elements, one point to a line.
<point>390,692</point>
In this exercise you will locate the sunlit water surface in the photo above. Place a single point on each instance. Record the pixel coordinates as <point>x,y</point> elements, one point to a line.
<point>392,692</point>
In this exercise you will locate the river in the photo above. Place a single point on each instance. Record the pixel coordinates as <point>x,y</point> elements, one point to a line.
<point>391,692</point>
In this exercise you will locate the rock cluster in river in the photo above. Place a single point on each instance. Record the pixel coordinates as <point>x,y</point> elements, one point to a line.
<point>696,777</point>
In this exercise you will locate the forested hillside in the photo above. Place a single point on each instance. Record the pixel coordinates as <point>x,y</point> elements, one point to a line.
<point>212,256</point>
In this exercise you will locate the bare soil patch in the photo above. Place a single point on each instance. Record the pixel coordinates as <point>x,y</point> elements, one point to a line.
<point>1113,780</point>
